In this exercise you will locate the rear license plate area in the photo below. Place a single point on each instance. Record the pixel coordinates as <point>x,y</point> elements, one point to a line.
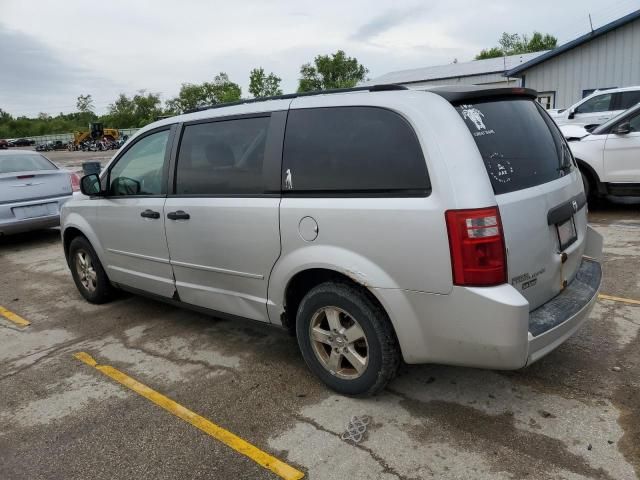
<point>567,233</point>
<point>34,211</point>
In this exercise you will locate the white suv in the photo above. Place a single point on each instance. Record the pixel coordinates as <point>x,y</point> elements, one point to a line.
<point>599,107</point>
<point>377,224</point>
<point>609,156</point>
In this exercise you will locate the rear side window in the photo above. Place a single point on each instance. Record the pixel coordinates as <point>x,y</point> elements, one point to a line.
<point>24,163</point>
<point>343,150</point>
<point>628,99</point>
<point>520,147</point>
<point>222,158</point>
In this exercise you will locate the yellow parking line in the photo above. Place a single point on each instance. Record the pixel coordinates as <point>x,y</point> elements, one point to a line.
<point>619,299</point>
<point>238,444</point>
<point>12,317</point>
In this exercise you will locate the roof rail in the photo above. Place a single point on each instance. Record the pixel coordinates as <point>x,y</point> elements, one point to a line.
<point>370,88</point>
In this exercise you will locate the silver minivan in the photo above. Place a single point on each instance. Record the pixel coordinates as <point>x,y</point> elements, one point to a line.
<point>377,224</point>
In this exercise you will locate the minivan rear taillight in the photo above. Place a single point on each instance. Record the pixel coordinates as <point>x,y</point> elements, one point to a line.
<point>478,256</point>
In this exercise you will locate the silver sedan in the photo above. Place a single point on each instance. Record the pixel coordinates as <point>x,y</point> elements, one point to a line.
<point>32,191</point>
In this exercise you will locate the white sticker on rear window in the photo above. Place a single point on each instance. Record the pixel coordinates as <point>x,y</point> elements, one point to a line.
<point>499,168</point>
<point>469,112</point>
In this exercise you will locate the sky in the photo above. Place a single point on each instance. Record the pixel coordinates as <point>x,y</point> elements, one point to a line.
<point>51,52</point>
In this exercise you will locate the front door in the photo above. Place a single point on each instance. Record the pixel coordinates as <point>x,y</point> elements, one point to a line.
<point>130,220</point>
<point>222,221</point>
<point>622,154</point>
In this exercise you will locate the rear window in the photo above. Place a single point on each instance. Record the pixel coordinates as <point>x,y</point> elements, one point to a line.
<point>521,148</point>
<point>352,150</point>
<point>24,163</point>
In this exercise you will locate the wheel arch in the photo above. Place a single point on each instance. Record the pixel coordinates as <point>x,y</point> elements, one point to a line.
<point>592,175</point>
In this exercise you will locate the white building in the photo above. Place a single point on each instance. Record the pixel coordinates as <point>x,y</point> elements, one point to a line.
<point>607,57</point>
<point>488,72</point>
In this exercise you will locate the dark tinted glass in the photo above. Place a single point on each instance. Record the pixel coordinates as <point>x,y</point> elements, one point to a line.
<point>520,147</point>
<point>352,149</point>
<point>628,99</point>
<point>223,157</point>
<point>24,163</point>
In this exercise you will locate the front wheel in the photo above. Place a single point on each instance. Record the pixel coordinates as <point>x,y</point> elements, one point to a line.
<point>89,276</point>
<point>346,339</point>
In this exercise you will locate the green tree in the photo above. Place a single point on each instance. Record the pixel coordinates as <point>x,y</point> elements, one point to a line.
<point>137,111</point>
<point>262,85</point>
<point>514,44</point>
<point>85,103</point>
<point>191,96</point>
<point>331,71</point>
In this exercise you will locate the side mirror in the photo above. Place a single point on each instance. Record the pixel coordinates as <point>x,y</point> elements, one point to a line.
<point>90,185</point>
<point>622,129</point>
<point>572,114</point>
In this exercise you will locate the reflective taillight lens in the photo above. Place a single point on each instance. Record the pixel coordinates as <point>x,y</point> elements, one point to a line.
<point>478,256</point>
<point>75,182</point>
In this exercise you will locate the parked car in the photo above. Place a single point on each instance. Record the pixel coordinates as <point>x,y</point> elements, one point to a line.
<point>599,107</point>
<point>609,155</point>
<point>22,142</point>
<point>4,144</point>
<point>32,191</point>
<point>377,223</point>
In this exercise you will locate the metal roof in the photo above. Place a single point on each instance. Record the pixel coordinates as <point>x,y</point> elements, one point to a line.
<point>587,37</point>
<point>454,70</point>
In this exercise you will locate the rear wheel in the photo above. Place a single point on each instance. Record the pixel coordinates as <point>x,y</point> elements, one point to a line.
<point>89,276</point>
<point>346,339</point>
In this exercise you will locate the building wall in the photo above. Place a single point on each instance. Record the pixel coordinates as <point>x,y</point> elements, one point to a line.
<point>489,79</point>
<point>612,60</point>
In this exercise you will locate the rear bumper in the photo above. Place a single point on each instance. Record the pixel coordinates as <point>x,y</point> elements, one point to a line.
<point>488,327</point>
<point>555,321</point>
<point>9,224</point>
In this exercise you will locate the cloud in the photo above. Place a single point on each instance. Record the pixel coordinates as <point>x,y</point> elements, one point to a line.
<point>36,79</point>
<point>384,22</point>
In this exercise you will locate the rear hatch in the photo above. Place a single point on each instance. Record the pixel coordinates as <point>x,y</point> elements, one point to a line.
<point>27,177</point>
<point>538,190</point>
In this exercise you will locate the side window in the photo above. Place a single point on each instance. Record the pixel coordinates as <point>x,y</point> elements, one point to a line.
<point>600,103</point>
<point>628,99</point>
<point>140,170</point>
<point>352,149</point>
<point>635,123</point>
<point>224,157</point>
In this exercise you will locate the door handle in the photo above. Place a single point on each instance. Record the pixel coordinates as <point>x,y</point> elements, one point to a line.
<point>178,215</point>
<point>150,214</point>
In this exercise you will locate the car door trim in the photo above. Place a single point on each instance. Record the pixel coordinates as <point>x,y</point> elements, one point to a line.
<point>138,255</point>
<point>206,268</point>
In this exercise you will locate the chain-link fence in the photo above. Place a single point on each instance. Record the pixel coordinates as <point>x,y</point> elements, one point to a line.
<point>67,137</point>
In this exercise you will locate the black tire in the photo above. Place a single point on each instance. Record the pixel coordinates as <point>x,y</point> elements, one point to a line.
<point>103,290</point>
<point>587,185</point>
<point>382,348</point>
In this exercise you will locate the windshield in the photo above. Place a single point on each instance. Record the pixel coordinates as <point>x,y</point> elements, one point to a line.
<point>24,163</point>
<point>608,124</point>
<point>520,145</point>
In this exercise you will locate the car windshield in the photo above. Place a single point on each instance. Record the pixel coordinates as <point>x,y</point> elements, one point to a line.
<point>24,163</point>
<point>608,124</point>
